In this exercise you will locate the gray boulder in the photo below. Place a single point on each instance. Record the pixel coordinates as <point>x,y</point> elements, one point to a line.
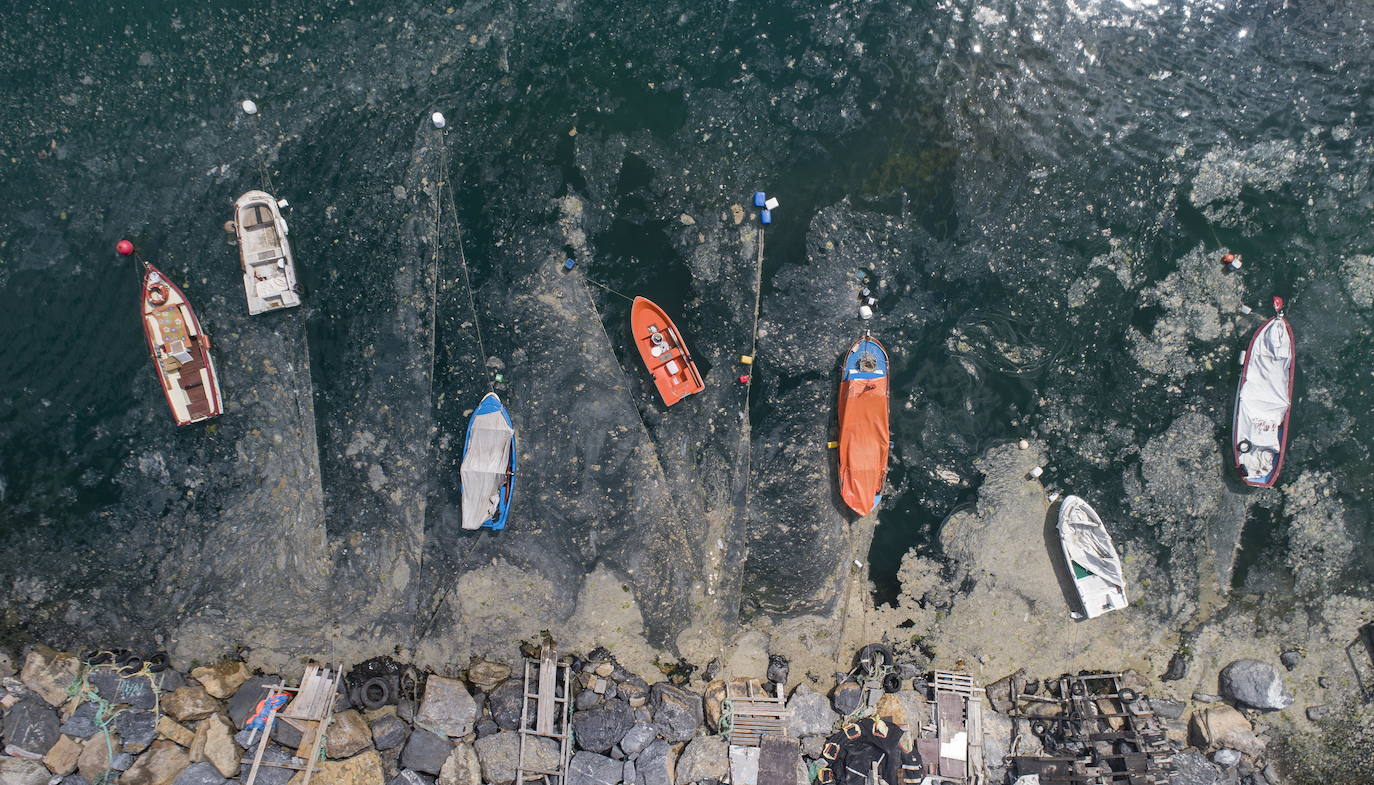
<point>426,752</point>
<point>389,732</point>
<point>136,729</point>
<point>447,707</point>
<point>628,774</point>
<point>637,738</point>
<point>1226,757</point>
<point>203,773</point>
<point>504,702</point>
<point>136,691</point>
<point>677,712</point>
<point>169,680</point>
<point>811,713</point>
<point>588,768</point>
<point>485,727</point>
<point>499,753</point>
<point>655,764</point>
<point>270,775</point>
<point>1193,769</point>
<point>81,724</point>
<point>74,779</point>
<point>1168,708</point>
<point>21,771</point>
<point>602,727</point>
<point>411,777</point>
<point>1290,658</point>
<point>704,758</point>
<point>1255,684</point>
<point>31,728</point>
<point>586,699</point>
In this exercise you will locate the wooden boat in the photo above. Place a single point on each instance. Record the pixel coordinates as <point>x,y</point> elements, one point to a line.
<point>664,352</point>
<point>864,433</point>
<point>1264,398</point>
<point>488,470</point>
<point>269,271</point>
<point>180,349</point>
<point>1093,563</point>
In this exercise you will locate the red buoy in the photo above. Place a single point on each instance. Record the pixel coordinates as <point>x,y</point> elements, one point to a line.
<point>1278,304</point>
<point>743,379</point>
<point>124,247</point>
<point>1228,258</point>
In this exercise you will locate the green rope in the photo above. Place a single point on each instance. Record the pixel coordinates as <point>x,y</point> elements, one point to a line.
<point>106,712</point>
<point>727,716</point>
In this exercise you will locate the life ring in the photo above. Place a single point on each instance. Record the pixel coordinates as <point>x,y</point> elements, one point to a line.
<point>1243,446</point>
<point>157,294</point>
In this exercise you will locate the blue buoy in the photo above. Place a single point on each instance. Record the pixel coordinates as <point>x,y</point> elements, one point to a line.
<point>760,198</point>
<point>766,217</point>
<point>569,264</point>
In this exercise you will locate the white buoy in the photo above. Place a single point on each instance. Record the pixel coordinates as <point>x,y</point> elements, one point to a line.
<point>1245,309</point>
<point>1054,497</point>
<point>1036,472</point>
<point>1241,359</point>
<point>1023,444</point>
<point>249,107</point>
<point>438,119</point>
<point>771,204</point>
<point>858,564</point>
<point>865,312</point>
<point>282,203</point>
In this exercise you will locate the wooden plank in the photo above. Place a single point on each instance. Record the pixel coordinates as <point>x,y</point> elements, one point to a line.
<point>548,680</point>
<point>262,746</point>
<point>778,757</point>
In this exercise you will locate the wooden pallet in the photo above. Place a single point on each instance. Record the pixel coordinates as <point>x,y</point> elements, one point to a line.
<point>551,717</point>
<point>755,714</point>
<point>309,711</point>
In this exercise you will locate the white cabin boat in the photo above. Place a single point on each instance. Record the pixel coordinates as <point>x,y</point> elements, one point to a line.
<point>269,271</point>
<point>1093,563</point>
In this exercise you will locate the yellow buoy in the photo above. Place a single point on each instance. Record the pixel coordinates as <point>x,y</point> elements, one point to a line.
<point>832,445</point>
<point>746,359</point>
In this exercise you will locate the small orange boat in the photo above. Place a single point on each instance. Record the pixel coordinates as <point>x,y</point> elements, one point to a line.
<point>180,349</point>
<point>864,433</point>
<point>665,353</point>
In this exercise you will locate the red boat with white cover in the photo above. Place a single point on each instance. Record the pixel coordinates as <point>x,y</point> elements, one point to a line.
<point>180,349</point>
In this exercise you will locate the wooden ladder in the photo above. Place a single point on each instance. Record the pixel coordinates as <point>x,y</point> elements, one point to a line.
<point>552,715</point>
<point>309,711</point>
<point>755,714</point>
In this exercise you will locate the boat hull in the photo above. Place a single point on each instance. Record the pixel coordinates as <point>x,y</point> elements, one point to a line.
<point>1094,565</point>
<point>269,270</point>
<point>1264,395</point>
<point>864,428</point>
<point>489,466</point>
<point>664,352</point>
<point>180,350</point>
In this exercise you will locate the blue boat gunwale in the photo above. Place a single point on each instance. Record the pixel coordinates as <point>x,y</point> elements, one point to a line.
<point>491,402</point>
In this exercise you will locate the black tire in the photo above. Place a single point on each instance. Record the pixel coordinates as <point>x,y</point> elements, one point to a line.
<point>375,693</point>
<point>159,662</point>
<point>892,683</point>
<point>1039,728</point>
<point>99,657</point>
<point>875,657</point>
<point>1078,688</point>
<point>1128,695</point>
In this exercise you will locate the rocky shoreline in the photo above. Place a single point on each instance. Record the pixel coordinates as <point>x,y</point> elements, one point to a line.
<point>114,716</point>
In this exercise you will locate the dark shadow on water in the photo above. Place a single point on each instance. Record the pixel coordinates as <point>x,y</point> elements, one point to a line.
<point>1062,571</point>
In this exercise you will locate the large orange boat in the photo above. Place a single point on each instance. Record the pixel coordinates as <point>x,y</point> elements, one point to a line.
<point>864,433</point>
<point>664,352</point>
<point>180,349</point>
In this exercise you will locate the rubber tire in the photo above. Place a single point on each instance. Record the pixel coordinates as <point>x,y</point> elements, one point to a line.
<point>872,652</point>
<point>99,657</point>
<point>1039,728</point>
<point>892,683</point>
<point>1128,695</point>
<point>375,693</point>
<point>130,664</point>
<point>1078,689</point>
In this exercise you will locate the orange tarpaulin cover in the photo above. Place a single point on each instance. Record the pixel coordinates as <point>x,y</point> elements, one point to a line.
<point>864,433</point>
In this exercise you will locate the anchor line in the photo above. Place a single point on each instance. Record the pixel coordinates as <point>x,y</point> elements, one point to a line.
<point>607,288</point>
<point>446,194</point>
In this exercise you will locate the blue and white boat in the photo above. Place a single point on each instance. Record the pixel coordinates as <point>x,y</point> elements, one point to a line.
<point>488,471</point>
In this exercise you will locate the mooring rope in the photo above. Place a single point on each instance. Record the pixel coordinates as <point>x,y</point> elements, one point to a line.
<point>462,257</point>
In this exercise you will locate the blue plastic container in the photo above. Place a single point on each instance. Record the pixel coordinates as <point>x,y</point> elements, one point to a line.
<point>766,217</point>
<point>569,264</point>
<point>760,198</point>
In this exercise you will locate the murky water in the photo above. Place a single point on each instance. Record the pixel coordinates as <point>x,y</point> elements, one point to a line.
<point>1059,162</point>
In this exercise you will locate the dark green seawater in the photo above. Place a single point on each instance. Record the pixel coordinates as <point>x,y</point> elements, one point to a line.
<point>1059,160</point>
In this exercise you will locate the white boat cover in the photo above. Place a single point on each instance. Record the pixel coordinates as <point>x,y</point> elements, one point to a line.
<point>1086,542</point>
<point>1262,401</point>
<point>485,466</point>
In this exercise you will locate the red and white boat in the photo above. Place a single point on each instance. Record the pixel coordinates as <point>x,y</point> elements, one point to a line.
<point>664,352</point>
<point>180,349</point>
<point>1263,401</point>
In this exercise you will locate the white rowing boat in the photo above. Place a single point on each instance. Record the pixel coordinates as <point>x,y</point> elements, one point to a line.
<point>1092,558</point>
<point>1260,436</point>
<point>269,271</point>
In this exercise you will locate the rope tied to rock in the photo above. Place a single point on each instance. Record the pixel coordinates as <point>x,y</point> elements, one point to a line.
<point>107,712</point>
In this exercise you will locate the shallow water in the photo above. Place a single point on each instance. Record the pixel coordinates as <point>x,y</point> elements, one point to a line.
<point>1055,162</point>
